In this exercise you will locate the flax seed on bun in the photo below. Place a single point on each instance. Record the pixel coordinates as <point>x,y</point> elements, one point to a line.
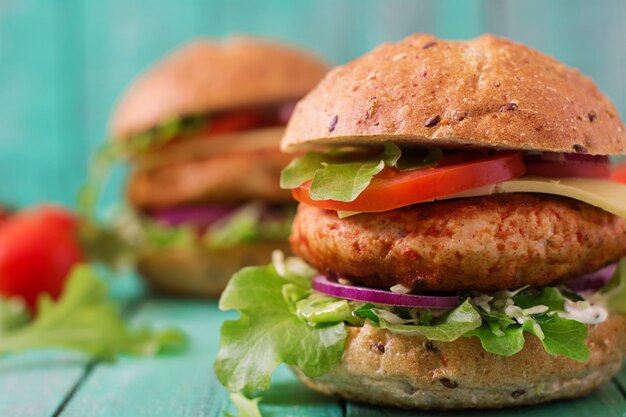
<point>381,367</point>
<point>248,72</point>
<point>486,92</point>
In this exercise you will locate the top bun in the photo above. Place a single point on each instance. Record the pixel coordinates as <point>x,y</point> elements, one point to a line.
<point>487,91</point>
<point>208,75</point>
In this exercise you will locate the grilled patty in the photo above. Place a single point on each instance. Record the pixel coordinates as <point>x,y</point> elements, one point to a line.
<point>484,243</point>
<point>229,178</point>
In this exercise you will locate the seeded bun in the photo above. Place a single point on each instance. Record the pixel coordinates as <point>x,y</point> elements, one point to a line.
<point>210,75</point>
<point>381,367</point>
<point>200,272</point>
<point>486,92</point>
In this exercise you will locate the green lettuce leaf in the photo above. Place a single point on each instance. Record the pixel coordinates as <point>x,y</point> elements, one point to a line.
<point>300,170</point>
<point>564,337</point>
<point>83,319</point>
<point>268,333</point>
<point>503,335</point>
<point>343,182</point>
<point>247,407</point>
<point>344,177</point>
<point>176,127</point>
<point>247,225</point>
<point>446,328</point>
<point>318,309</point>
<point>548,296</point>
<point>509,341</point>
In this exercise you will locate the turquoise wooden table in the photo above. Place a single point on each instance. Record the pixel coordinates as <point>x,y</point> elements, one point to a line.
<point>51,384</point>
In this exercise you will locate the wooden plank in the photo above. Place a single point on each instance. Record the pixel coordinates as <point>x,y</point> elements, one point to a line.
<point>35,384</point>
<point>183,385</point>
<point>289,397</point>
<point>607,401</point>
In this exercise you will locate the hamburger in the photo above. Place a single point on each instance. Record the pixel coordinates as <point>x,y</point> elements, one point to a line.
<point>458,235</point>
<point>202,129</point>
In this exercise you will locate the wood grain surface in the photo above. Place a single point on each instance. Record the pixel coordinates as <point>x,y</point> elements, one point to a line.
<point>47,384</point>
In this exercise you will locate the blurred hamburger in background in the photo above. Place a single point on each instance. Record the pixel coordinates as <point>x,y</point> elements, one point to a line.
<point>202,130</point>
<point>459,229</point>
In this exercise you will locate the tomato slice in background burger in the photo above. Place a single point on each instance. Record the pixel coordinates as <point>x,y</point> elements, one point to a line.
<point>237,121</point>
<point>618,173</point>
<point>391,189</point>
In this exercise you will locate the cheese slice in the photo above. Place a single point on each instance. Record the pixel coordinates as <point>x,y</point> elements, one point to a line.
<point>608,195</point>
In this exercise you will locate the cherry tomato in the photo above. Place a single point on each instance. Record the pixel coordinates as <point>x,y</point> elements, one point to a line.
<point>391,189</point>
<point>38,248</point>
<point>618,173</point>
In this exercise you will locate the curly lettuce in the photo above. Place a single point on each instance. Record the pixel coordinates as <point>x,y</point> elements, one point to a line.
<point>85,320</point>
<point>246,225</point>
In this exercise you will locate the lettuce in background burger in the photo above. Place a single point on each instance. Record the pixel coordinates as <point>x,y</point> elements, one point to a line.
<point>458,235</point>
<point>202,131</point>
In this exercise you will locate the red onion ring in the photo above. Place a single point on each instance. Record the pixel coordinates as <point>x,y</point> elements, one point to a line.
<point>594,280</point>
<point>561,165</point>
<point>324,285</point>
<point>566,157</point>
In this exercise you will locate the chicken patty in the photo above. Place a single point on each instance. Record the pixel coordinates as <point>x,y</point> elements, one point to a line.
<point>228,178</point>
<point>488,243</point>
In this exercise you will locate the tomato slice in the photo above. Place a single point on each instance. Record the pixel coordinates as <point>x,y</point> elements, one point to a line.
<point>238,121</point>
<point>391,189</point>
<point>618,173</point>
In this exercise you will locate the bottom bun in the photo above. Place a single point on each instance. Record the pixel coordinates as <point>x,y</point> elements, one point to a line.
<point>198,272</point>
<point>381,367</point>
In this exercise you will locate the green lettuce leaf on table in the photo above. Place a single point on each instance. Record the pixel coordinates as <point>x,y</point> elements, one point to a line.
<point>344,176</point>
<point>85,320</point>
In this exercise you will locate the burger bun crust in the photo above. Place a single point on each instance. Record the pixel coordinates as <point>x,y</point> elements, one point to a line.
<point>198,272</point>
<point>485,92</point>
<point>205,76</point>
